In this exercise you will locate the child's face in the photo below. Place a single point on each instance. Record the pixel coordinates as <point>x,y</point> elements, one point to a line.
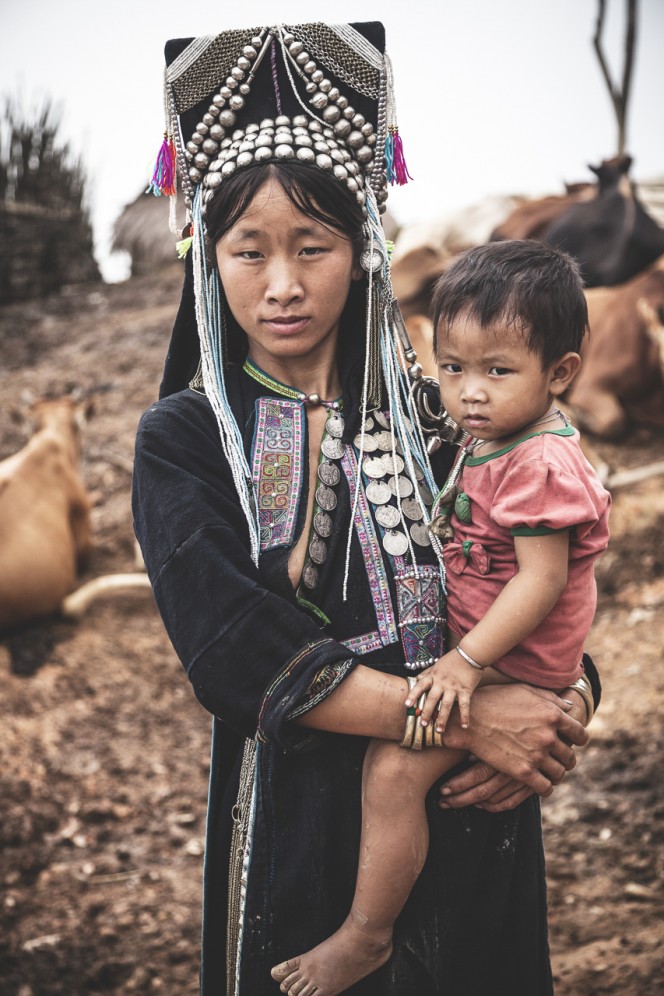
<point>490,382</point>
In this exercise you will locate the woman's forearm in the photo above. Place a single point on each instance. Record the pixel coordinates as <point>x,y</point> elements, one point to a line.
<point>366,703</point>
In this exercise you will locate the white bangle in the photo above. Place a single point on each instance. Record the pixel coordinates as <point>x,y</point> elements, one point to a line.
<point>469,660</point>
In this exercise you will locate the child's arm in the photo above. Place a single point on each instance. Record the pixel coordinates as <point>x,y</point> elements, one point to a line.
<point>522,605</point>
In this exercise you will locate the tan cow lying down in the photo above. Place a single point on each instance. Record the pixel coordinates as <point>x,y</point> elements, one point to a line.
<point>44,515</point>
<point>623,359</point>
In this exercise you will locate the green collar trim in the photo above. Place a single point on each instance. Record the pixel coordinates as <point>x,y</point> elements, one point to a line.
<point>472,461</point>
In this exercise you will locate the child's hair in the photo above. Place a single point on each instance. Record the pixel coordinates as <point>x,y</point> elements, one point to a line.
<point>526,284</point>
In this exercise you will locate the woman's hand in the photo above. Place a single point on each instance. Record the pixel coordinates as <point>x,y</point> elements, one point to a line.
<point>523,739</point>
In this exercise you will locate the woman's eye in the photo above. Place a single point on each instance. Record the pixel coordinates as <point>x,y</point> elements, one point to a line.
<point>250,254</point>
<point>312,251</point>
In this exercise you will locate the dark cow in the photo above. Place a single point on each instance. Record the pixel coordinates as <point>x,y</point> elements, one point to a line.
<point>531,218</point>
<point>612,236</point>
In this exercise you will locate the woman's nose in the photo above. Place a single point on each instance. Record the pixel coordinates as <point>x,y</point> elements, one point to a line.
<point>284,284</point>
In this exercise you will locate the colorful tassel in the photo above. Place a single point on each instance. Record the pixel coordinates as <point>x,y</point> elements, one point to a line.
<point>395,161</point>
<point>163,177</point>
<point>184,245</point>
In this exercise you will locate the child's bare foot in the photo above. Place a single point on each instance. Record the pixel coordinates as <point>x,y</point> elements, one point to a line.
<point>336,964</point>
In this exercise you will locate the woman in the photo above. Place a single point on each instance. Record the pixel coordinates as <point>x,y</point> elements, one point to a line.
<point>296,629</point>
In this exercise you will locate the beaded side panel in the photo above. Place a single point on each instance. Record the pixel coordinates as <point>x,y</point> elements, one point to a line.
<point>209,68</point>
<point>373,557</point>
<point>334,54</point>
<point>421,615</point>
<point>277,468</point>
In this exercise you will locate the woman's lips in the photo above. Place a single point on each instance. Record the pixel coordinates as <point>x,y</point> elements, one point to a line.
<point>285,325</point>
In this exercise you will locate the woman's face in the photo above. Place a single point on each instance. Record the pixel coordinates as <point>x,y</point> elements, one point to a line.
<point>286,279</point>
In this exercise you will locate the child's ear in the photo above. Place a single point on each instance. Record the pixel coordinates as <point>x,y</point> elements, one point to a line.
<point>562,373</point>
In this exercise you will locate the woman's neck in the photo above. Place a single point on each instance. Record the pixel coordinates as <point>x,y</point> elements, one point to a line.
<point>318,375</point>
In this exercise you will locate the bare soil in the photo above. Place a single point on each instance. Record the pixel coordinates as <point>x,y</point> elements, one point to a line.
<point>104,750</point>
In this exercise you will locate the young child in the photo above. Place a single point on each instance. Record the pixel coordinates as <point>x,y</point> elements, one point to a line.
<point>525,517</point>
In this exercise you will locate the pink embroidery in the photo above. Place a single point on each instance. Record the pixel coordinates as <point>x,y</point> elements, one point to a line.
<point>277,468</point>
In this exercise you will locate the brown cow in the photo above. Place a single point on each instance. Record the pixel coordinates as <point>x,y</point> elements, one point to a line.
<point>621,375</point>
<point>44,515</point>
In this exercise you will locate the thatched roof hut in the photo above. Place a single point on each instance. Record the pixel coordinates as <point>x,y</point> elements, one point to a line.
<point>142,231</point>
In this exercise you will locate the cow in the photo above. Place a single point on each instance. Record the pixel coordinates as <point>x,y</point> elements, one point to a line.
<point>45,532</point>
<point>531,218</point>
<point>611,236</point>
<point>622,376</point>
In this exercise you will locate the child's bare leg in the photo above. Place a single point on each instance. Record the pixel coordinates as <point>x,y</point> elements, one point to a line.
<point>393,848</point>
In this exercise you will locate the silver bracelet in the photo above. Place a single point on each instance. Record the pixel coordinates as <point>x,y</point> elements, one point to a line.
<point>584,688</point>
<point>469,660</point>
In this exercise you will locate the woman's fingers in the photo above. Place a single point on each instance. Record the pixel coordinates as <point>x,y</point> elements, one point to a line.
<point>482,786</point>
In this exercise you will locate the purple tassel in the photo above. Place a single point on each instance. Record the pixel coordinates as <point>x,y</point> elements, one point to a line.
<point>399,169</point>
<point>163,177</point>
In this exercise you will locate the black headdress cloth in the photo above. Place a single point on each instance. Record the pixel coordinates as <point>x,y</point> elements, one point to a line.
<point>184,352</point>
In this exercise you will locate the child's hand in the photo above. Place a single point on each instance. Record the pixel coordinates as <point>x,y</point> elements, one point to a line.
<point>450,679</point>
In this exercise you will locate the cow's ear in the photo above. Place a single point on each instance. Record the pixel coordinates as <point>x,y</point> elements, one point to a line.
<point>562,373</point>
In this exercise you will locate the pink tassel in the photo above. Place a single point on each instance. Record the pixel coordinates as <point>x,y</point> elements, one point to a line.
<point>400,168</point>
<point>163,177</point>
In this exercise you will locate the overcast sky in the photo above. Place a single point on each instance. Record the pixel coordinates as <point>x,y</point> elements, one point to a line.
<point>494,96</point>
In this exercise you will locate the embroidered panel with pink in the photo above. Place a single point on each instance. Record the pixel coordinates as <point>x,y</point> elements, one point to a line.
<point>277,468</point>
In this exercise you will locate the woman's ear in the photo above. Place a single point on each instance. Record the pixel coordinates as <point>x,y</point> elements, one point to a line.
<point>357,272</point>
<point>562,372</point>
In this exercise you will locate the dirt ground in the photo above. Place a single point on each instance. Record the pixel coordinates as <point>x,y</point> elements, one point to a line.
<point>104,750</point>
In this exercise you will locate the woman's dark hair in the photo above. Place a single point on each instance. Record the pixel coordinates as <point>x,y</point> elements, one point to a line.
<point>317,195</point>
<point>524,284</point>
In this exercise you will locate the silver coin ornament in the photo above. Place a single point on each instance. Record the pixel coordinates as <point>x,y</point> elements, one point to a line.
<point>310,575</point>
<point>332,448</point>
<point>368,424</point>
<point>392,464</point>
<point>326,498</point>
<point>378,492</point>
<point>329,473</point>
<point>400,486</point>
<point>367,444</point>
<point>395,542</point>
<point>384,440</point>
<point>420,534</point>
<point>388,516</point>
<point>381,419</point>
<point>373,467</point>
<point>411,508</point>
<point>318,550</point>
<point>335,426</point>
<point>371,260</point>
<point>323,523</point>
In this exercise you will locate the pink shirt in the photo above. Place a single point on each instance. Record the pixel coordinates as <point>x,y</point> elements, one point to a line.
<point>540,484</point>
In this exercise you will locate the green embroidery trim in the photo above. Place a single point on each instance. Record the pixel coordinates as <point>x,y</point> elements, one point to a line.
<point>271,384</point>
<point>472,461</point>
<point>466,547</point>
<point>535,531</point>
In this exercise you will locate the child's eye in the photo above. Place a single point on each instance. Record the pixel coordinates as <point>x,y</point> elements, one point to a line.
<point>450,368</point>
<point>500,371</point>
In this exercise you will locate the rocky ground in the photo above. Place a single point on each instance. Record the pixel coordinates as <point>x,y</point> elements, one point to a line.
<point>104,751</point>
